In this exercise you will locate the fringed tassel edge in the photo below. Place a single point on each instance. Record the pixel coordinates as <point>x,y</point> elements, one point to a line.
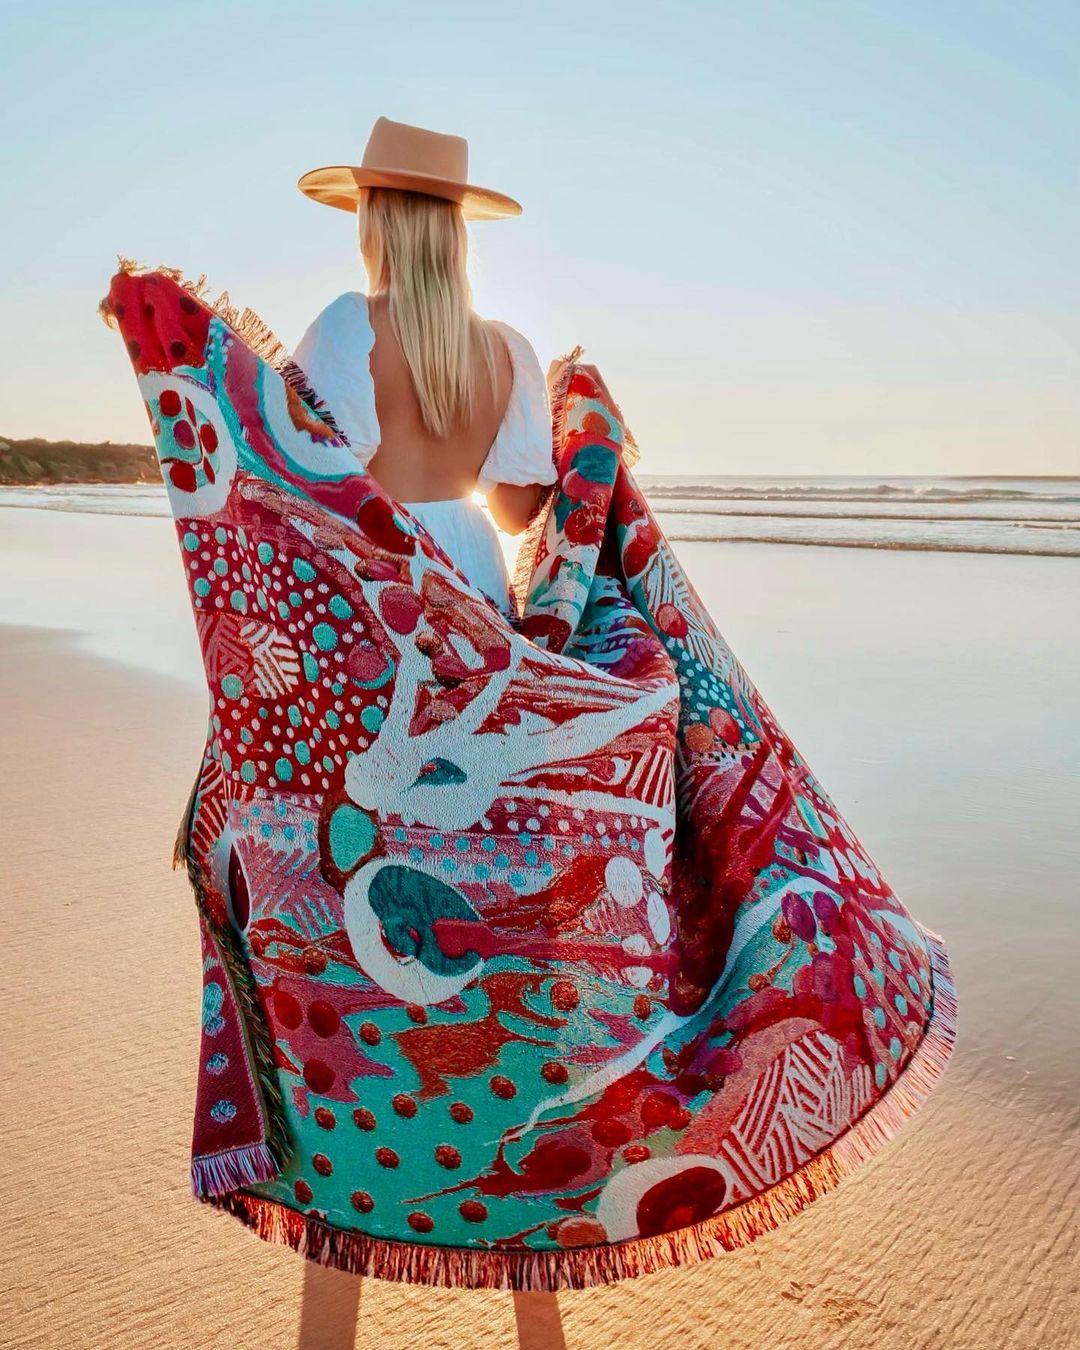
<point>181,849</point>
<point>562,370</point>
<point>525,562</point>
<point>219,1173</point>
<point>545,1272</point>
<point>279,1141</point>
<point>248,326</point>
<point>278,1145</point>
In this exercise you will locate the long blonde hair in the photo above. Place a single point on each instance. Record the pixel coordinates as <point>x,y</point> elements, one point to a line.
<point>415,249</point>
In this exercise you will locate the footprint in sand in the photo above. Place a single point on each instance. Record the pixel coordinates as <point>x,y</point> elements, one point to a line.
<point>839,1309</point>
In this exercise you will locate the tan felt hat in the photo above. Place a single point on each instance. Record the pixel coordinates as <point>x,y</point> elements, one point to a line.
<point>401,156</point>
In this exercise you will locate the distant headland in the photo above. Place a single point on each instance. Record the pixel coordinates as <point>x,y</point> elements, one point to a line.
<point>37,461</point>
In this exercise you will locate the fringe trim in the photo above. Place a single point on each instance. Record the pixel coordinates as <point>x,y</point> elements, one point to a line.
<point>218,1173</point>
<point>582,1268</point>
<point>256,1033</point>
<point>525,562</point>
<point>278,1144</point>
<point>245,323</point>
<point>181,850</point>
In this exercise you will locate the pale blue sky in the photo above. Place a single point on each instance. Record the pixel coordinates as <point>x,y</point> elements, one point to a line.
<point>805,237</point>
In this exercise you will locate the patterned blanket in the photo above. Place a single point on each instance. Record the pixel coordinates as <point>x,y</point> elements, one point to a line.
<point>534,955</point>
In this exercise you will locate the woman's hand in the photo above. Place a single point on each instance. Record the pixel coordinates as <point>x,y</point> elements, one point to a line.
<point>587,367</point>
<point>591,370</point>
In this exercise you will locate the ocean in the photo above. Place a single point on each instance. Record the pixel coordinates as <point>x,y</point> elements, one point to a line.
<point>1039,516</point>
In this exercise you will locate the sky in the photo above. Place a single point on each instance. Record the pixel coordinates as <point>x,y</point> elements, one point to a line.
<point>817,237</point>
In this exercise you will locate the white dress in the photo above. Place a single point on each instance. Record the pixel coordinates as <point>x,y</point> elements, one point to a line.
<point>334,354</point>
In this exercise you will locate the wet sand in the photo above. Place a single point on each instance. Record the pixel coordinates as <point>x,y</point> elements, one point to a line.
<point>933,696</point>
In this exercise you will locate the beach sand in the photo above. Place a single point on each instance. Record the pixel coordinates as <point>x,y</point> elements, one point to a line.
<point>932,695</point>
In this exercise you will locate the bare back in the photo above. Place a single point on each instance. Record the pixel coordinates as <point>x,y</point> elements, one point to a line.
<point>410,463</point>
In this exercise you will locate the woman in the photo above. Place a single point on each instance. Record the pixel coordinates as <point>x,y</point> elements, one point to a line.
<point>526,964</point>
<point>435,401</point>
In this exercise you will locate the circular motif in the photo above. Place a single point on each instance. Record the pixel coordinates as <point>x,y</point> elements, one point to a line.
<point>624,881</point>
<point>323,1017</point>
<point>400,608</point>
<point>564,996</point>
<point>319,1076</point>
<point>671,621</point>
<point>660,1195</point>
<point>198,457</point>
<point>390,915</point>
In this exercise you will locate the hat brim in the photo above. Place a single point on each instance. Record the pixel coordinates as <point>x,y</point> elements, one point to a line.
<point>339,185</point>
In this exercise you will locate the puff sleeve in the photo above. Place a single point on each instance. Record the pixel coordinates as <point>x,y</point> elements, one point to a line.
<point>334,354</point>
<point>521,452</point>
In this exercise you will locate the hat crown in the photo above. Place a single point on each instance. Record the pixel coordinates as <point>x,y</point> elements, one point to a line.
<point>397,146</point>
<point>409,159</point>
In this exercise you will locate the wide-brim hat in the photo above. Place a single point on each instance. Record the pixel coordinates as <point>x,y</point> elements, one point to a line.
<point>398,155</point>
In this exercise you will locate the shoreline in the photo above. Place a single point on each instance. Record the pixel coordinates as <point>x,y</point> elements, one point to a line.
<point>1066,546</point>
<point>878,547</point>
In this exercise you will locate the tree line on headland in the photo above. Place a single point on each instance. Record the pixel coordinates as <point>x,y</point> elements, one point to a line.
<point>37,462</point>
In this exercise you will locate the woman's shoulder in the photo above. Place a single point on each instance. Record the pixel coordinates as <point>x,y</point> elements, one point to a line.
<point>349,309</point>
<point>519,346</point>
<point>528,378</point>
<point>340,330</point>
<point>333,354</point>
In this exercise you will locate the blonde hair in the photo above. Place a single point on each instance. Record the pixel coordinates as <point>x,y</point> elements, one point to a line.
<point>415,249</point>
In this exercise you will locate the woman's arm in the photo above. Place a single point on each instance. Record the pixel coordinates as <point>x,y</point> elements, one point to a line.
<point>513,505</point>
<point>518,468</point>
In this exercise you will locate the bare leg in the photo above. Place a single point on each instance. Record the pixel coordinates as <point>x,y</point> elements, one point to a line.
<point>539,1324</point>
<point>329,1309</point>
